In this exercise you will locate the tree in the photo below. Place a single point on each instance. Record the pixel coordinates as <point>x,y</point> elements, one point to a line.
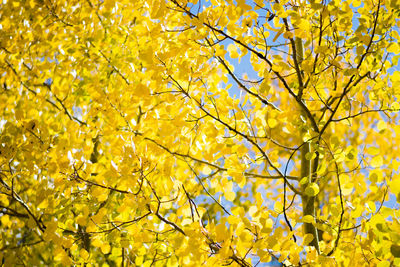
<point>125,140</point>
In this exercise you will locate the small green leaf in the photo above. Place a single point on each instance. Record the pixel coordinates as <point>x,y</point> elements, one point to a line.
<point>304,180</point>
<point>310,155</point>
<point>312,190</point>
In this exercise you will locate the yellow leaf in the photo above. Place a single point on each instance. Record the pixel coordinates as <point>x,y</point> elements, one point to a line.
<point>383,264</point>
<point>272,122</point>
<point>66,261</point>
<point>312,189</point>
<point>377,161</point>
<point>207,170</point>
<point>220,51</point>
<point>139,260</point>
<point>265,86</point>
<point>326,236</point>
<point>260,3</point>
<point>321,49</point>
<point>395,106</point>
<point>288,35</point>
<point>307,239</point>
<point>81,220</point>
<point>157,9</point>
<point>84,254</point>
<point>304,180</point>
<point>4,200</point>
<point>278,206</point>
<point>108,4</point>
<point>376,176</point>
<point>326,261</point>
<point>105,248</point>
<point>241,180</point>
<point>277,7</point>
<point>97,242</point>
<point>232,220</point>
<point>278,33</point>
<point>222,232</point>
<point>233,51</point>
<point>394,185</point>
<point>308,219</point>
<point>253,210</point>
<point>52,226</point>
<point>310,155</point>
<point>394,48</point>
<point>373,150</point>
<point>269,223</point>
<point>100,194</point>
<point>347,189</point>
<point>5,220</point>
<point>371,207</point>
<point>230,195</point>
<point>67,243</point>
<point>381,126</point>
<point>356,3</point>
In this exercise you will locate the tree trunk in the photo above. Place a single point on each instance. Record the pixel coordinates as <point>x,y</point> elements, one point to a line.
<point>308,202</point>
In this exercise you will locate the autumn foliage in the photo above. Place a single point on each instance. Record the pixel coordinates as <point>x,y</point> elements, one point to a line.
<point>190,133</point>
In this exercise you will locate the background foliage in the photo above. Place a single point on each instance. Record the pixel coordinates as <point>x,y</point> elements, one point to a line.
<point>122,142</point>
